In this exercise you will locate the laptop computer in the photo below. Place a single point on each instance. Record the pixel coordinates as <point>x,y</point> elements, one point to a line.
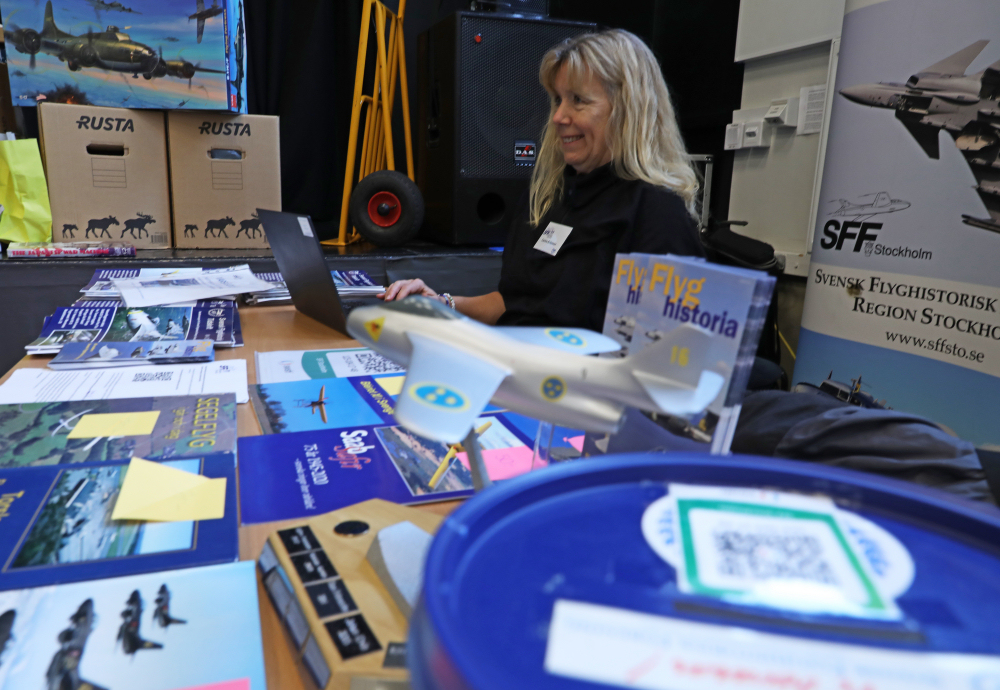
<point>300,261</point>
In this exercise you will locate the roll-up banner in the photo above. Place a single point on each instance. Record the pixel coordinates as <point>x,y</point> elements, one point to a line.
<point>902,307</point>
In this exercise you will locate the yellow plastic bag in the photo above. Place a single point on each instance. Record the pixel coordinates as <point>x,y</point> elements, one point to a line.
<point>23,193</point>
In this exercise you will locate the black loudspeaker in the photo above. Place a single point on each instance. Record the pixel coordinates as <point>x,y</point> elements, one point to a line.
<point>481,116</point>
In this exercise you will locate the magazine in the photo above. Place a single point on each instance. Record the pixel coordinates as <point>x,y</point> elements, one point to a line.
<point>355,283</point>
<point>664,292</point>
<point>306,473</point>
<point>103,355</point>
<point>215,283</point>
<point>154,428</point>
<point>58,525</point>
<point>302,365</point>
<point>109,321</point>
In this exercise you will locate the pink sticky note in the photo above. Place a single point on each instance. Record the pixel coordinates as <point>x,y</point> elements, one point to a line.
<point>241,684</point>
<point>504,463</point>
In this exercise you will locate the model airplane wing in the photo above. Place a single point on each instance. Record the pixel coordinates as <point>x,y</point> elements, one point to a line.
<point>445,389</point>
<point>579,341</point>
<point>201,28</point>
<point>672,371</point>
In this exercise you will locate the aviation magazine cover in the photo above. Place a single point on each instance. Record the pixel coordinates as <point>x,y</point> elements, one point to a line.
<point>163,54</point>
<point>57,526</point>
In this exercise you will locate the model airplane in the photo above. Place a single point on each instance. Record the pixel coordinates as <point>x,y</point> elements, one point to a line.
<point>64,669</point>
<point>456,366</point>
<point>943,96</point>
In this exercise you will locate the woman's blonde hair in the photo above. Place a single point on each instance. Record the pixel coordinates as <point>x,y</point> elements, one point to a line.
<point>642,130</point>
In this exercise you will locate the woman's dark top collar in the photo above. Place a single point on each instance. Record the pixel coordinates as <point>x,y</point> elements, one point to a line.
<point>580,188</point>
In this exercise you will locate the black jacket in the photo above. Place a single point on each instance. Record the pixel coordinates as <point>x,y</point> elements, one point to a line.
<point>608,216</point>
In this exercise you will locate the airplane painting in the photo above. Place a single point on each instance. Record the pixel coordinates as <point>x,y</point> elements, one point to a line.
<point>202,15</point>
<point>317,404</point>
<point>161,614</point>
<point>93,52</point>
<point>866,206</point>
<point>943,97</point>
<point>64,670</point>
<point>455,366</point>
<point>128,634</point>
<point>109,50</point>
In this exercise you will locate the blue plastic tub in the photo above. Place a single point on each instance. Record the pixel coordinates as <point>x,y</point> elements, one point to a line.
<point>499,563</point>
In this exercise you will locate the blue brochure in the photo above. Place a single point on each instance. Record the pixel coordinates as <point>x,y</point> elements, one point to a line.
<point>56,526</point>
<point>307,473</point>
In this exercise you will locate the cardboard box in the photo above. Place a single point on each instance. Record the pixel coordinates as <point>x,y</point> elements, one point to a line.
<point>139,54</point>
<point>107,174</point>
<point>222,169</point>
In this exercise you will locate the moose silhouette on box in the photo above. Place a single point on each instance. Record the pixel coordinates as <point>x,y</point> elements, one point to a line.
<point>217,228</point>
<point>99,226</point>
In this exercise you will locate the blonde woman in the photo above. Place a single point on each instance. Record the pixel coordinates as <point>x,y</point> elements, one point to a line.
<point>612,176</point>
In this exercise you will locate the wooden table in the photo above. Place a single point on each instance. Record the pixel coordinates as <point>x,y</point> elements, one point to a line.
<point>265,329</point>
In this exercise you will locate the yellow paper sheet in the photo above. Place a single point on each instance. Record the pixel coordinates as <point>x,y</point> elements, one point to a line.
<point>152,491</point>
<point>115,424</point>
<point>393,385</point>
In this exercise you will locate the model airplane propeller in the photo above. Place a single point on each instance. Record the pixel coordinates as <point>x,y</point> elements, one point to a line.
<point>455,366</point>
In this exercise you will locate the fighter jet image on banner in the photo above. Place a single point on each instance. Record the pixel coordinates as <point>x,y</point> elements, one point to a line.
<point>944,97</point>
<point>455,366</point>
<point>865,209</point>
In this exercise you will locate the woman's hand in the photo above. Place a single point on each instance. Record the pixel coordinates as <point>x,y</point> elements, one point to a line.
<point>405,288</point>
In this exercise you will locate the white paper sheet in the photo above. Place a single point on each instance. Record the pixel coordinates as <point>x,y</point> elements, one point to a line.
<point>812,103</point>
<point>42,385</point>
<point>286,365</point>
<point>147,292</point>
<point>638,650</point>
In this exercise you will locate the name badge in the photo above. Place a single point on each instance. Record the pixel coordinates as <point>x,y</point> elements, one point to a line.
<point>552,238</point>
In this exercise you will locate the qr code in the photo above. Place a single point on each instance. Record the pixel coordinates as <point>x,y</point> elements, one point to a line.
<point>153,376</point>
<point>772,556</point>
<point>374,363</point>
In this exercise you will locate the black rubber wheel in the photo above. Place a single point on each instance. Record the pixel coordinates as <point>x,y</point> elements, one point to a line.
<point>387,208</point>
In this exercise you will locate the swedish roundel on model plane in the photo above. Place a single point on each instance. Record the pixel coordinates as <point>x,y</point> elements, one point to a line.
<point>456,366</point>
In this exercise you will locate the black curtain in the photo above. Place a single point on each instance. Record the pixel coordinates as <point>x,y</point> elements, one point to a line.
<point>302,56</point>
<point>300,65</point>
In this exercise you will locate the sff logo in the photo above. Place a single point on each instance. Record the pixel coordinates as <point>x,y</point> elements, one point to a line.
<point>835,234</point>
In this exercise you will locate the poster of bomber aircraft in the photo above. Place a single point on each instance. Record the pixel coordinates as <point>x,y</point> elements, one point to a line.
<point>165,54</point>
